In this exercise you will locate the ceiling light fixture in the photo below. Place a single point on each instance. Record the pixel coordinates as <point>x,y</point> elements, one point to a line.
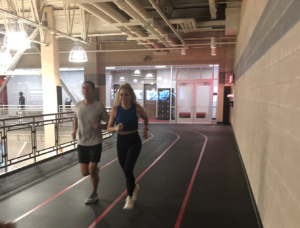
<point>78,54</point>
<point>160,66</point>
<point>110,68</point>
<point>137,73</point>
<point>149,76</point>
<point>16,38</point>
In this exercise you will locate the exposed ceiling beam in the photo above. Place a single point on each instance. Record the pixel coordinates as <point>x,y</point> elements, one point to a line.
<point>211,23</point>
<point>213,9</point>
<point>35,24</point>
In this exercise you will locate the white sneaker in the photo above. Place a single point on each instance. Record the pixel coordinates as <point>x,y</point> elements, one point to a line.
<point>92,198</point>
<point>129,203</point>
<point>136,189</point>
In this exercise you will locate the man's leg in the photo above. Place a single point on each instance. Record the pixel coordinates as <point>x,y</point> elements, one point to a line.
<point>93,170</point>
<point>84,169</point>
<point>84,160</point>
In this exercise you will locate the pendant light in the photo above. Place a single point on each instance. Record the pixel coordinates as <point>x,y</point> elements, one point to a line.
<point>78,54</point>
<point>137,73</point>
<point>5,58</point>
<point>149,75</point>
<point>16,38</point>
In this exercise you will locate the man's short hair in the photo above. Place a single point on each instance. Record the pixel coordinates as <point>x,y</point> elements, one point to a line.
<point>21,93</point>
<point>91,83</point>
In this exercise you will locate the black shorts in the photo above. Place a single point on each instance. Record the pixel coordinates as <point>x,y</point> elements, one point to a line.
<point>87,154</point>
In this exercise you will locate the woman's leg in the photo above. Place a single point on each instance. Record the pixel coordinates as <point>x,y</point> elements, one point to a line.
<point>122,148</point>
<point>132,156</point>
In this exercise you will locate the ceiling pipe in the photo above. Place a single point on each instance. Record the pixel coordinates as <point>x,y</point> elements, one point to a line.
<point>211,23</point>
<point>110,11</point>
<point>156,7</point>
<point>184,20</point>
<point>183,27</point>
<point>187,25</point>
<point>93,10</point>
<point>125,7</point>
<point>125,50</point>
<point>145,15</point>
<point>114,14</point>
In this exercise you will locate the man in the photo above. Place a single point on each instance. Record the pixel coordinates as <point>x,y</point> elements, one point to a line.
<point>21,101</point>
<point>87,119</point>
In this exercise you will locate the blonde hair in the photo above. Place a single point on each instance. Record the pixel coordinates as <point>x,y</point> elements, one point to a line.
<point>129,88</point>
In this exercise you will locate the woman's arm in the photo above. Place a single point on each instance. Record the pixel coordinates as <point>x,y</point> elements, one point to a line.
<point>111,122</point>
<point>141,113</point>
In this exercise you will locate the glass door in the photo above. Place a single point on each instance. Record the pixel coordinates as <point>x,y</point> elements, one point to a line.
<point>203,94</point>
<point>185,102</point>
<point>194,103</point>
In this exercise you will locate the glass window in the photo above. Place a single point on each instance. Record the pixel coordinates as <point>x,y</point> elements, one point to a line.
<point>214,113</point>
<point>216,85</point>
<point>195,72</point>
<point>183,72</point>
<point>216,71</point>
<point>207,72</point>
<point>215,100</point>
<point>174,72</point>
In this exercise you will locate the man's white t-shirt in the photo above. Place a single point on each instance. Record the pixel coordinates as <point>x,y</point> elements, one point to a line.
<point>85,115</point>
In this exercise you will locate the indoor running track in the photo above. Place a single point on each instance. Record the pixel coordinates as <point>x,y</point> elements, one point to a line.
<point>190,176</point>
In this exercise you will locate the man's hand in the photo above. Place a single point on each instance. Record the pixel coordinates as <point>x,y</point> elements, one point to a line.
<point>97,125</point>
<point>74,135</point>
<point>120,127</point>
<point>145,133</point>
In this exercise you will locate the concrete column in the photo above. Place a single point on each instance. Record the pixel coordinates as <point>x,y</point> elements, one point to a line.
<point>50,76</point>
<point>96,73</point>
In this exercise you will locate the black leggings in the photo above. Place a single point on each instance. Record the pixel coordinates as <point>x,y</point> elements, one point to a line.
<point>128,148</point>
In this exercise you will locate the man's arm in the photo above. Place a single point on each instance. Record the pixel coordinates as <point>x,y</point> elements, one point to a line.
<point>75,127</point>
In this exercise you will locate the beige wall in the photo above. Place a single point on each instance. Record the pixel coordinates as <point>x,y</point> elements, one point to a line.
<point>251,11</point>
<point>266,123</point>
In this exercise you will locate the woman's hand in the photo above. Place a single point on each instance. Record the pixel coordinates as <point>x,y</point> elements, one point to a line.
<point>120,127</point>
<point>145,133</point>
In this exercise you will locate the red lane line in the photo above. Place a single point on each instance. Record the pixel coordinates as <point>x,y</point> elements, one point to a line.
<point>52,198</point>
<point>120,197</point>
<point>187,195</point>
<point>34,209</point>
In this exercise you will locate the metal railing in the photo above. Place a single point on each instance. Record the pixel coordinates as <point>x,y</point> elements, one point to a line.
<point>68,108</point>
<point>7,111</point>
<point>27,140</point>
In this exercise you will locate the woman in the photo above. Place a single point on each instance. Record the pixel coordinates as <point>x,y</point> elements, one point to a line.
<point>126,113</point>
